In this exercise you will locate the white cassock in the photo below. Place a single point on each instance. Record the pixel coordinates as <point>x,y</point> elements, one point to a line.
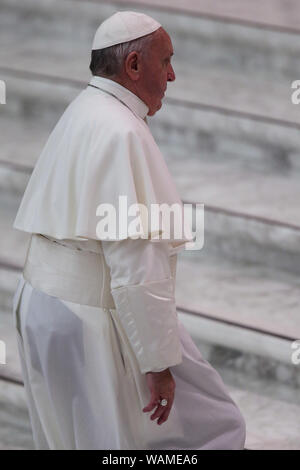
<point>92,316</point>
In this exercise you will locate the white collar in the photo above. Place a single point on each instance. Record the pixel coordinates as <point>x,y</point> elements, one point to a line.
<point>132,101</point>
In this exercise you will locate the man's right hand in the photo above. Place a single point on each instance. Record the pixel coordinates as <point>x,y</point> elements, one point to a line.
<point>161,385</point>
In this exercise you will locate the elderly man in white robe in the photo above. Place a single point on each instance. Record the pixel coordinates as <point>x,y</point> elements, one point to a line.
<point>105,360</point>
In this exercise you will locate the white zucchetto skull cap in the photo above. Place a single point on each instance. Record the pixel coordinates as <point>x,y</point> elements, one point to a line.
<point>123,26</point>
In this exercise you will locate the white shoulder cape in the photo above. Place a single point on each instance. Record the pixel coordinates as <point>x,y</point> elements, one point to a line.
<point>99,150</point>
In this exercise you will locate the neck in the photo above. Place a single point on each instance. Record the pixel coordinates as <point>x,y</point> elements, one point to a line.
<point>129,84</point>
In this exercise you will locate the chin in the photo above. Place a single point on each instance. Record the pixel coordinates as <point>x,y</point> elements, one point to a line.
<point>154,110</point>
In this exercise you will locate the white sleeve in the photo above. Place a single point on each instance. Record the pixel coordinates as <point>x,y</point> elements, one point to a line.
<point>143,292</point>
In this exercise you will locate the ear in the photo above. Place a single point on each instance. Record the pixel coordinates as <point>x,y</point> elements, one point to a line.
<point>133,65</point>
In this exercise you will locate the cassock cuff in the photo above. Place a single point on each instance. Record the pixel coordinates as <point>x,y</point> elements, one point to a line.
<point>148,314</point>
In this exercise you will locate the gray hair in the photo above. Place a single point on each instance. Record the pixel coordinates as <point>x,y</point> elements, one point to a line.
<point>108,62</point>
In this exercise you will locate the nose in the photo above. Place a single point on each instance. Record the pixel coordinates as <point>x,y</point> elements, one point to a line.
<point>171,74</point>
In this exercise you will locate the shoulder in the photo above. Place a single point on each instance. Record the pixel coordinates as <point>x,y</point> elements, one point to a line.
<point>102,122</point>
<point>105,113</point>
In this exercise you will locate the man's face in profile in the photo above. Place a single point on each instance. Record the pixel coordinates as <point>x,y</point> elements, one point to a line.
<point>156,70</point>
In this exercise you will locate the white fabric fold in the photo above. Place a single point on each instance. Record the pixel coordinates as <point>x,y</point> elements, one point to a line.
<point>148,314</point>
<point>144,294</point>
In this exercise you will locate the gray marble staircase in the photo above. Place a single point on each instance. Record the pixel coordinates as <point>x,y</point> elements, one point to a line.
<point>230,136</point>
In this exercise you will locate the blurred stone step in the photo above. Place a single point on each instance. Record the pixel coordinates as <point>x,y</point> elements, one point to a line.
<point>263,403</point>
<point>241,170</point>
<point>13,251</point>
<point>245,191</point>
<point>35,104</point>
<point>12,368</point>
<point>251,296</point>
<point>210,87</point>
<point>242,349</point>
<point>205,50</point>
<point>237,238</point>
<point>248,314</point>
<point>263,415</point>
<point>15,428</point>
<point>78,19</point>
<point>272,14</point>
<point>262,146</point>
<point>226,140</point>
<point>13,242</point>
